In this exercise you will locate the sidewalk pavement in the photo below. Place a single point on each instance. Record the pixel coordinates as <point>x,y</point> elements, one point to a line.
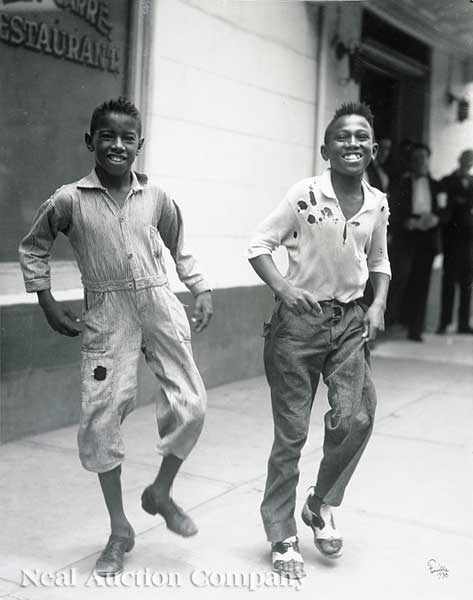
<point>406,517</point>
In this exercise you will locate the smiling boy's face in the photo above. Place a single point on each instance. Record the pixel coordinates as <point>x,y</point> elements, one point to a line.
<point>115,142</point>
<point>350,146</point>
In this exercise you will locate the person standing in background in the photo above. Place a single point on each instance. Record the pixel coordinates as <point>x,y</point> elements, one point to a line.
<point>415,219</point>
<point>458,244</point>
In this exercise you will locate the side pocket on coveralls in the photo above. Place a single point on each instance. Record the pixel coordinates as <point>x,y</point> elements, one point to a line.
<point>179,318</point>
<point>96,377</point>
<point>94,331</point>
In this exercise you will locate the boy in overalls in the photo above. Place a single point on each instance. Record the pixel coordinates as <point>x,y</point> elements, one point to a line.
<point>117,225</point>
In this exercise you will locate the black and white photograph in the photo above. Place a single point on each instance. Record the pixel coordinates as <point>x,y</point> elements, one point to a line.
<point>236,314</point>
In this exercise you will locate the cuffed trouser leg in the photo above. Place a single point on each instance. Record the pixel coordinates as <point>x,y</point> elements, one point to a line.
<point>181,399</point>
<point>118,325</point>
<point>293,388</point>
<point>110,355</point>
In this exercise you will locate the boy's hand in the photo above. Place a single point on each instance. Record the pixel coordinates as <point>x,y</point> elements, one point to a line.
<point>62,320</point>
<point>374,322</point>
<point>299,301</point>
<point>203,311</point>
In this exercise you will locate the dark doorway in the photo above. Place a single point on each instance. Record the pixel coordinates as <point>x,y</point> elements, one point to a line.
<point>381,92</point>
<point>395,80</point>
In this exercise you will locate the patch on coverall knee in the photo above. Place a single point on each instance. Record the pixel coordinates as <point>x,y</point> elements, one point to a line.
<point>100,373</point>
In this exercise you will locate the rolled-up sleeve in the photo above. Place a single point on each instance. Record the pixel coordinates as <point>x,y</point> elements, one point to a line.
<point>273,230</point>
<point>53,216</point>
<point>171,230</point>
<point>377,257</point>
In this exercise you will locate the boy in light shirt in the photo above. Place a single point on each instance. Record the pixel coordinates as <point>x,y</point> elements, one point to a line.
<point>334,229</point>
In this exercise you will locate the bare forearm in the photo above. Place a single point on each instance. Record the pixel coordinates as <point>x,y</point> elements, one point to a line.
<point>296,299</point>
<point>269,273</point>
<point>45,297</point>
<point>380,284</point>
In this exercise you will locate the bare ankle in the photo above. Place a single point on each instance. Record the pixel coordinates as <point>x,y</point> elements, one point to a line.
<point>160,494</point>
<point>121,527</point>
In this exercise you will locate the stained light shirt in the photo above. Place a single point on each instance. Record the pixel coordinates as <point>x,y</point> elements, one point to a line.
<point>115,247</point>
<point>329,256</point>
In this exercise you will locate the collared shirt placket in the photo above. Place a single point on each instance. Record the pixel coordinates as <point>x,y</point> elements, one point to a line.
<point>127,239</point>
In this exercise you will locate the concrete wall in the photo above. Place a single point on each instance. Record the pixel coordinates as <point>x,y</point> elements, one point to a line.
<point>334,85</point>
<point>230,126</point>
<point>237,108</point>
<point>40,374</point>
<point>232,119</point>
<point>448,137</point>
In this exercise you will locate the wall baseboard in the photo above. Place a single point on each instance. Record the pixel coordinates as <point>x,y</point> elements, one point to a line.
<point>40,377</point>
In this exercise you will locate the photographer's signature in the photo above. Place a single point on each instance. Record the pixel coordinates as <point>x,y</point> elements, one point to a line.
<point>435,568</point>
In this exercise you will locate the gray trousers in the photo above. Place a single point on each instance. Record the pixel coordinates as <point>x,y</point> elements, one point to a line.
<point>298,349</point>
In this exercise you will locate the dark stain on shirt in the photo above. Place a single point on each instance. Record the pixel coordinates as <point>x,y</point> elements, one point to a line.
<point>327,212</point>
<point>302,205</point>
<point>355,223</point>
<point>311,219</point>
<point>313,201</point>
<point>295,234</point>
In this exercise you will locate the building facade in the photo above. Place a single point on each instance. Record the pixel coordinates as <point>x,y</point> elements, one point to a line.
<point>235,97</point>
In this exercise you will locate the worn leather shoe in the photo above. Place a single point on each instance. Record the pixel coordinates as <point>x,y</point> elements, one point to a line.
<point>110,561</point>
<point>327,538</point>
<point>287,559</point>
<point>176,519</point>
<point>415,337</point>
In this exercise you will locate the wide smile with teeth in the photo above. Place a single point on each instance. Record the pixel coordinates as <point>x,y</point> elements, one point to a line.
<point>352,157</point>
<point>115,158</point>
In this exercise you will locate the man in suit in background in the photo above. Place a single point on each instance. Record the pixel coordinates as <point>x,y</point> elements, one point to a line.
<point>458,244</point>
<point>415,219</point>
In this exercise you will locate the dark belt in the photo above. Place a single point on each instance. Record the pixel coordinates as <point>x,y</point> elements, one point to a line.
<point>335,302</point>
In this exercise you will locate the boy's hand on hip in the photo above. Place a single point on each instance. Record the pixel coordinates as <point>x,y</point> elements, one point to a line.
<point>203,311</point>
<point>374,322</point>
<point>61,319</point>
<point>299,301</point>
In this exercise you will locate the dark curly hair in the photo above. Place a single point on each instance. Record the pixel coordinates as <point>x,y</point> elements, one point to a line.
<point>351,108</point>
<point>120,105</point>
